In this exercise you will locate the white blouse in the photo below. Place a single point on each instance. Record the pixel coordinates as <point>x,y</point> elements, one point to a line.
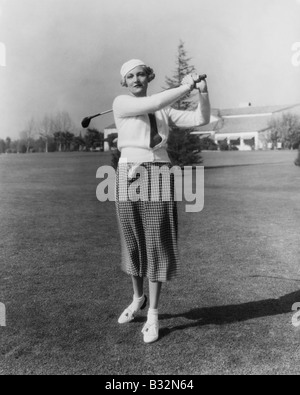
<point>133,123</point>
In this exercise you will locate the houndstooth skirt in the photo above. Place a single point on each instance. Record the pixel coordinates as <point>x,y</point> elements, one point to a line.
<point>148,229</point>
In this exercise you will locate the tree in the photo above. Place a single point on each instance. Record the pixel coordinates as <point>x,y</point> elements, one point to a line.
<point>183,68</point>
<point>78,143</point>
<point>184,148</point>
<point>297,161</point>
<point>46,130</point>
<point>69,138</point>
<point>94,139</point>
<point>14,147</point>
<point>285,130</point>
<point>2,146</point>
<point>28,134</point>
<point>7,143</point>
<point>62,128</point>
<point>21,147</point>
<point>39,145</point>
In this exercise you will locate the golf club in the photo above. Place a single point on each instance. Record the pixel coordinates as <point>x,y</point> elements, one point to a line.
<point>86,121</point>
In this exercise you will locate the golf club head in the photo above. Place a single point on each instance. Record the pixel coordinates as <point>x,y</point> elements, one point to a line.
<point>86,122</point>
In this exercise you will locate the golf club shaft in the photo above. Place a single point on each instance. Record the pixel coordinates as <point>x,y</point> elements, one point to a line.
<point>102,113</point>
<point>86,121</point>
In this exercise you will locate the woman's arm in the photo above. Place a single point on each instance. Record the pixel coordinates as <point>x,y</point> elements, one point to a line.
<point>130,106</point>
<point>191,119</point>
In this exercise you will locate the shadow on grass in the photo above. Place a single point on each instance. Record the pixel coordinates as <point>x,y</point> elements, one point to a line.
<point>222,315</point>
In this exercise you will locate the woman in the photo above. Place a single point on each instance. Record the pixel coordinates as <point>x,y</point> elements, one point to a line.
<point>148,229</point>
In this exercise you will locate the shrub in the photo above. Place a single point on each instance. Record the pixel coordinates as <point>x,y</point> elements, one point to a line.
<point>184,148</point>
<point>224,146</point>
<point>116,154</point>
<point>207,144</point>
<point>233,148</point>
<point>296,145</point>
<point>297,161</point>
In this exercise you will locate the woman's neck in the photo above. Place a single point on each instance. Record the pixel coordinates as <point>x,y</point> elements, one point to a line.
<point>141,95</point>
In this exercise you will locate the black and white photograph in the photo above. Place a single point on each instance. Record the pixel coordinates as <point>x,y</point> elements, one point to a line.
<point>149,190</point>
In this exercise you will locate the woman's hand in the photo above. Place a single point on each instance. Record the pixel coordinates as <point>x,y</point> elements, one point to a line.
<point>190,81</point>
<point>202,86</point>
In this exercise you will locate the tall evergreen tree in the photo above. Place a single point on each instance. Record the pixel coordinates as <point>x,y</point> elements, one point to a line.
<point>183,68</point>
<point>184,148</point>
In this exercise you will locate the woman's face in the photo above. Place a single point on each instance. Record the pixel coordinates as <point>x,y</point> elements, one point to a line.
<point>137,81</point>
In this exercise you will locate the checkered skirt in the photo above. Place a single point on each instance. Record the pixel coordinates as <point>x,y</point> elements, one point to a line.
<point>148,229</point>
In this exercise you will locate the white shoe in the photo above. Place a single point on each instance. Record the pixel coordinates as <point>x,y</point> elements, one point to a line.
<point>129,314</point>
<point>151,332</point>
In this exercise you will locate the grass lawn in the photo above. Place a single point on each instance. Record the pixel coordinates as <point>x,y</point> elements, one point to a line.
<point>230,312</point>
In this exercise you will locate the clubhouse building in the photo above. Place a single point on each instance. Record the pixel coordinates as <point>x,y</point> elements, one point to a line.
<point>247,128</point>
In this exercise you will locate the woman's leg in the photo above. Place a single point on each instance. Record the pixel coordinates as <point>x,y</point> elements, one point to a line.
<point>138,286</point>
<point>139,301</point>
<point>155,290</point>
<point>151,328</point>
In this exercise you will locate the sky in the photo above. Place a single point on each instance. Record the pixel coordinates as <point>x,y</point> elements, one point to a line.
<point>66,55</point>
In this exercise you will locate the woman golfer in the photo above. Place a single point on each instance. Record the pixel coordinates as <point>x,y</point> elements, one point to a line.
<point>148,229</point>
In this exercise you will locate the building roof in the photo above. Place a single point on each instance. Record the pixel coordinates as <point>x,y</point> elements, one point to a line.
<point>244,125</point>
<point>212,127</point>
<point>255,110</point>
<point>251,119</point>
